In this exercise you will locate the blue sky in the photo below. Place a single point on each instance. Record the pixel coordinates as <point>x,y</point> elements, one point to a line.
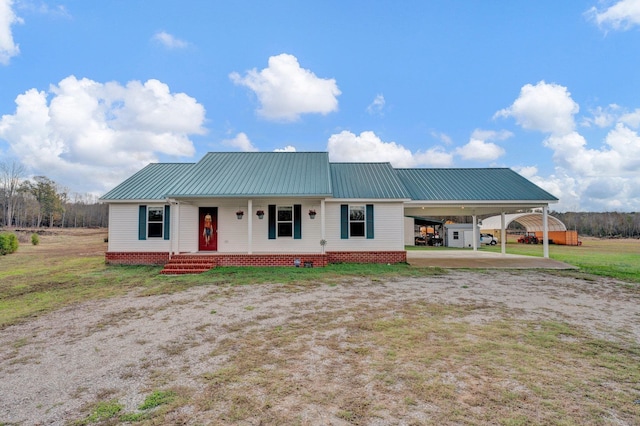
<point>92,91</point>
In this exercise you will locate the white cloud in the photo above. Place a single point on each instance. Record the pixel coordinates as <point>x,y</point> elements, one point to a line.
<point>91,135</point>
<point>585,178</point>
<point>479,150</point>
<point>547,108</point>
<point>242,142</point>
<point>376,107</point>
<point>287,148</point>
<point>602,117</point>
<point>631,119</point>
<point>169,41</point>
<point>433,157</point>
<point>621,16</point>
<point>8,48</point>
<point>493,135</point>
<point>442,137</point>
<point>368,147</point>
<point>285,90</point>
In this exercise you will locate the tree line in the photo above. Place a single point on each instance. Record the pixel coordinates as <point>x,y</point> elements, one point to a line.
<point>603,225</point>
<point>41,202</point>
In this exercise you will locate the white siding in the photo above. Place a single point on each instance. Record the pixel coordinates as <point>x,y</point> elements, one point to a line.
<point>188,228</point>
<point>233,233</point>
<point>123,231</point>
<point>388,229</point>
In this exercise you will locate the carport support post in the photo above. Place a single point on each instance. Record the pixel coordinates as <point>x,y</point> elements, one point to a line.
<point>475,232</point>
<point>503,234</point>
<point>545,232</point>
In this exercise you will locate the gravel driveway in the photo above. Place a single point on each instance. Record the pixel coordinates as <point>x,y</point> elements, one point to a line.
<point>53,365</point>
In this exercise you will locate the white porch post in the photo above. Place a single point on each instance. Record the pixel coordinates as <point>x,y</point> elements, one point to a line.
<point>503,234</point>
<point>176,228</point>
<point>475,232</point>
<point>322,223</point>
<point>250,227</point>
<point>545,232</point>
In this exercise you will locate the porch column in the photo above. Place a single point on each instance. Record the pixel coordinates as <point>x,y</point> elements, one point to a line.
<point>503,234</point>
<point>322,220</point>
<point>176,228</point>
<point>545,232</point>
<point>475,232</point>
<point>250,227</point>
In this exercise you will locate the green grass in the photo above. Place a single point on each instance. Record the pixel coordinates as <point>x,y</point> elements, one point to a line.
<point>34,281</point>
<point>618,259</point>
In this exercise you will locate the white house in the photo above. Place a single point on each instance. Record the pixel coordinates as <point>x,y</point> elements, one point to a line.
<point>281,208</point>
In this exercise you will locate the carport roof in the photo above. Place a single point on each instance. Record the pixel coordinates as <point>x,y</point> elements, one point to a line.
<point>496,184</point>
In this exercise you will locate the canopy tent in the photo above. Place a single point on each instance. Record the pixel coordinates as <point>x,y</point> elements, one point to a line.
<point>532,222</point>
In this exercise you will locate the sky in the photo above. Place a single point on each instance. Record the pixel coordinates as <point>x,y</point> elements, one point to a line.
<point>92,91</point>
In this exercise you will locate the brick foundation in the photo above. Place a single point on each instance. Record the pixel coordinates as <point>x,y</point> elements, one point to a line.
<point>367,257</point>
<point>221,259</point>
<point>142,258</point>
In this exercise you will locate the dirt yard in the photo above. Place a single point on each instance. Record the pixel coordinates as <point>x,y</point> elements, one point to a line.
<point>53,368</point>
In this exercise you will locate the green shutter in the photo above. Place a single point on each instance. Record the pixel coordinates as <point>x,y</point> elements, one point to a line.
<point>142,223</point>
<point>369,213</point>
<point>272,221</point>
<point>344,221</point>
<point>167,222</point>
<point>297,221</point>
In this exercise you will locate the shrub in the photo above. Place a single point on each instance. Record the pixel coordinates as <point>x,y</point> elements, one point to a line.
<point>8,243</point>
<point>35,240</point>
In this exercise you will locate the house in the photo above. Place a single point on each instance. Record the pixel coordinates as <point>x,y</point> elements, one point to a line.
<point>286,208</point>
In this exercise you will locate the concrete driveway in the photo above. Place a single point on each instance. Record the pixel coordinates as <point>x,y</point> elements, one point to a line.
<point>463,258</point>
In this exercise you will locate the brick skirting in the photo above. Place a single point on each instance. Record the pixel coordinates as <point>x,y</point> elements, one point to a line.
<point>367,257</point>
<point>142,258</point>
<point>221,259</point>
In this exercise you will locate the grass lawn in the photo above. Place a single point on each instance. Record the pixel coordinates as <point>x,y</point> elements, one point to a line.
<point>616,258</point>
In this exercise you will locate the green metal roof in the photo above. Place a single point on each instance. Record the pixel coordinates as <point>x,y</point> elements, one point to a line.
<point>309,174</point>
<point>256,174</point>
<point>150,183</point>
<point>366,180</point>
<point>470,184</point>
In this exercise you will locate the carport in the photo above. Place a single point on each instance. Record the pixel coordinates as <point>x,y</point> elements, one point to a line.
<point>475,192</point>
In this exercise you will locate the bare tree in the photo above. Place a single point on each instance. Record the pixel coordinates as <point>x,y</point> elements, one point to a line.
<point>10,176</point>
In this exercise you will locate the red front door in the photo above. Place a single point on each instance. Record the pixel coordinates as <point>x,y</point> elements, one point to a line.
<point>208,229</point>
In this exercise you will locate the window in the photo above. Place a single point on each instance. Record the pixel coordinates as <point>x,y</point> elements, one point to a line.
<point>155,221</point>
<point>284,221</point>
<point>356,221</point>
<point>456,236</point>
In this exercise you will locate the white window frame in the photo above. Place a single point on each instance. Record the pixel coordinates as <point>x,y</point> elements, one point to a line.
<point>155,222</point>
<point>359,221</point>
<point>284,222</point>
